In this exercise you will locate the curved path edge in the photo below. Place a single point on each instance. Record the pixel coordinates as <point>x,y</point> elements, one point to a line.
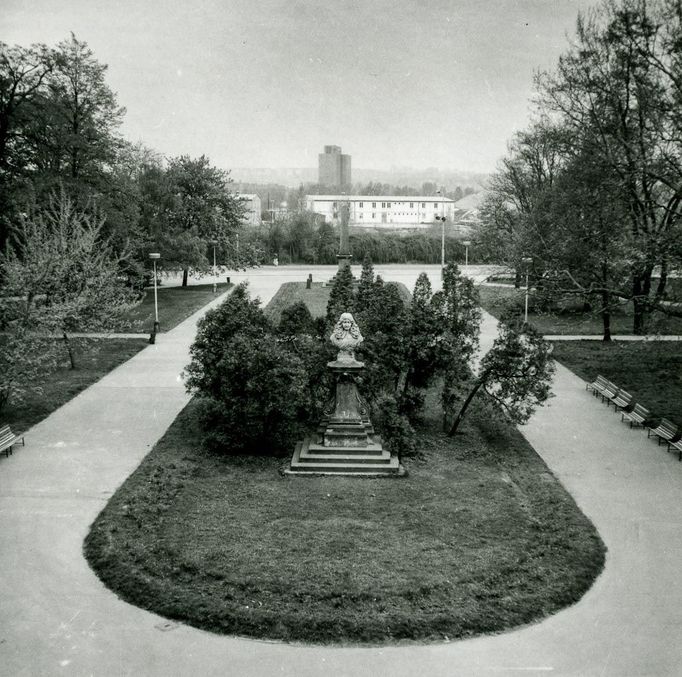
<point>59,619</point>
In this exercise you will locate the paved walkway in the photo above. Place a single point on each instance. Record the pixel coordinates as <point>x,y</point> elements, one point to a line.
<point>615,337</point>
<point>58,619</point>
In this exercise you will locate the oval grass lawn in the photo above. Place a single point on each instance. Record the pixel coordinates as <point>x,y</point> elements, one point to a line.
<point>478,538</point>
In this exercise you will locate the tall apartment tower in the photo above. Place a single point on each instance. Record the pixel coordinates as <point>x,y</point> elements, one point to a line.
<point>334,167</point>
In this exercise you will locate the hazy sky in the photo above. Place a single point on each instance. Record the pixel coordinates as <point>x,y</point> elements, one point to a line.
<point>267,83</point>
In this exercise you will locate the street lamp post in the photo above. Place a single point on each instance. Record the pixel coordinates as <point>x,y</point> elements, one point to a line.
<point>155,257</point>
<point>466,244</point>
<point>441,218</point>
<point>527,261</point>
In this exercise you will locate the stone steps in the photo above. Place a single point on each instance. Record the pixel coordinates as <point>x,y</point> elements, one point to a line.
<point>338,461</point>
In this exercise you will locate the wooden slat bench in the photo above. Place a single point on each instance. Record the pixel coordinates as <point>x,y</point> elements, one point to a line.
<point>600,386</point>
<point>676,445</point>
<point>666,431</point>
<point>623,401</point>
<point>638,415</point>
<point>8,439</point>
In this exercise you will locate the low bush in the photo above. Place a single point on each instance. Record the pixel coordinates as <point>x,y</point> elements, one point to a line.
<point>260,398</point>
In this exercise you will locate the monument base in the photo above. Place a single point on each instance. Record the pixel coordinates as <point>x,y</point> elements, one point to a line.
<point>312,458</point>
<point>345,442</point>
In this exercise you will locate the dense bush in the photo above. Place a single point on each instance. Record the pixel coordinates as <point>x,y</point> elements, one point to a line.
<point>296,319</point>
<point>260,402</point>
<point>395,427</point>
<point>237,315</point>
<point>255,392</point>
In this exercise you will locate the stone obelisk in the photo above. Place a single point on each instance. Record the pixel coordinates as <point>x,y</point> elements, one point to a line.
<point>344,256</point>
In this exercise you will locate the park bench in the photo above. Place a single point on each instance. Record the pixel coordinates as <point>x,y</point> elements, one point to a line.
<point>665,431</point>
<point>603,388</point>
<point>676,445</point>
<point>8,439</point>
<point>638,415</point>
<point>600,386</point>
<point>623,401</point>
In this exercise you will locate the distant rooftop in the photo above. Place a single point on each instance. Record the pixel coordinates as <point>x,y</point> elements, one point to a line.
<point>380,198</point>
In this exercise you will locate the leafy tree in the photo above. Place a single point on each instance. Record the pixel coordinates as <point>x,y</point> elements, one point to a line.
<point>196,208</point>
<point>424,356</point>
<point>514,213</point>
<point>616,91</point>
<point>65,273</point>
<point>23,75</point>
<point>515,374</point>
<point>395,427</point>
<point>296,319</point>
<point>459,314</point>
<point>25,357</point>
<point>341,297</point>
<point>366,282</point>
<point>300,236</point>
<point>236,315</point>
<point>590,248</point>
<point>260,400</point>
<point>256,390</point>
<point>383,323</point>
<point>326,243</point>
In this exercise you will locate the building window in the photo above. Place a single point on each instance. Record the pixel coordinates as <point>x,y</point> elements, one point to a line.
<point>334,205</point>
<point>374,215</point>
<point>388,204</point>
<point>362,204</point>
<point>423,205</point>
<point>411,205</point>
<point>374,205</point>
<point>361,216</point>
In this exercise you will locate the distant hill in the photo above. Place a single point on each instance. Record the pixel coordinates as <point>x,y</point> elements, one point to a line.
<point>292,177</point>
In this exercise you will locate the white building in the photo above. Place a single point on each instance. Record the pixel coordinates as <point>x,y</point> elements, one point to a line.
<point>252,208</point>
<point>387,211</point>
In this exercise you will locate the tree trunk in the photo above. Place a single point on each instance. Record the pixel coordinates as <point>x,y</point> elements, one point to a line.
<point>465,406</point>
<point>640,291</point>
<point>606,313</point>
<point>660,288</point>
<point>69,348</point>
<point>185,275</point>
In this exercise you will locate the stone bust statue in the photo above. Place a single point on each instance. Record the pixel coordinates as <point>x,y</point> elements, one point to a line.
<point>346,337</point>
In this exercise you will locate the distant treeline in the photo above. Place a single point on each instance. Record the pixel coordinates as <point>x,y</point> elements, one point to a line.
<point>301,238</point>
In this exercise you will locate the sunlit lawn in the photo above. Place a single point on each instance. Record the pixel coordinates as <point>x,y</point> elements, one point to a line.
<point>572,320</point>
<point>315,298</point>
<point>478,538</point>
<point>175,305</point>
<point>651,370</point>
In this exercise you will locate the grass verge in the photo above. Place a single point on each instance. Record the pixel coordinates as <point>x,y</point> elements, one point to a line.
<point>316,298</point>
<point>479,538</point>
<point>572,320</point>
<point>175,305</point>
<point>94,359</point>
<point>650,370</point>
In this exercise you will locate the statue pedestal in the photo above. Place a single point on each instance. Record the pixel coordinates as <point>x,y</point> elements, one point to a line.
<point>345,442</point>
